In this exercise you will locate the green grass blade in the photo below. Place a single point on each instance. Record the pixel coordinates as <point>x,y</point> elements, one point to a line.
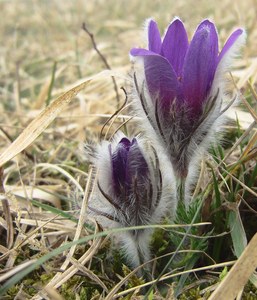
<point>237,232</point>
<point>49,95</point>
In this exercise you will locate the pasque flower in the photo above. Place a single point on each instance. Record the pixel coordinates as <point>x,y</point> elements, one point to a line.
<point>131,190</point>
<point>181,87</point>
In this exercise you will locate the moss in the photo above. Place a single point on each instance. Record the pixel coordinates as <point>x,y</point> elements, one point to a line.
<point>133,280</point>
<point>194,294</point>
<point>31,284</point>
<point>250,292</point>
<point>78,285</point>
<point>13,291</point>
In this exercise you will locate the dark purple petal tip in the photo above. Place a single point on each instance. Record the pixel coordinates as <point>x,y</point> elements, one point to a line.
<point>206,23</point>
<point>128,163</point>
<point>125,143</point>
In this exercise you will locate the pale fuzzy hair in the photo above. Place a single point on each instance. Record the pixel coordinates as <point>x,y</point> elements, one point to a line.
<point>135,246</point>
<point>145,30</point>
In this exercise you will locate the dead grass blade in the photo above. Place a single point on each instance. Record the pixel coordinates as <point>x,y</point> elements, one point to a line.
<point>251,110</point>
<point>63,172</point>
<point>168,276</point>
<point>16,270</point>
<point>68,273</point>
<point>79,229</point>
<point>53,294</point>
<point>9,223</point>
<point>42,121</point>
<point>251,191</point>
<point>239,274</point>
<point>89,274</point>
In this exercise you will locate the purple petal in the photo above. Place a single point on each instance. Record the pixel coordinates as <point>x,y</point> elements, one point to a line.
<point>200,65</point>
<point>230,42</point>
<point>128,166</point>
<point>161,80</point>
<point>137,168</point>
<point>141,52</point>
<point>154,37</point>
<point>175,44</point>
<point>119,164</point>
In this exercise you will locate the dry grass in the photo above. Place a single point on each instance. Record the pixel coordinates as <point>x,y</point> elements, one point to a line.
<point>44,53</point>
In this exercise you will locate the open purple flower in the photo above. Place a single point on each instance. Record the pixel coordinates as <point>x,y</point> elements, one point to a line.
<point>181,88</point>
<point>131,191</point>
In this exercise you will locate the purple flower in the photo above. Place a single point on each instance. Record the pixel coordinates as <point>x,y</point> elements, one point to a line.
<point>129,185</point>
<point>131,191</point>
<point>183,81</point>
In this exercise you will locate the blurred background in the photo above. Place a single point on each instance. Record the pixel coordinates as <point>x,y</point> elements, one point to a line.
<point>43,45</point>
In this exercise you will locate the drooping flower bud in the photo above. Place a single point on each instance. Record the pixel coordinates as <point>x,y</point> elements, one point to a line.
<point>131,191</point>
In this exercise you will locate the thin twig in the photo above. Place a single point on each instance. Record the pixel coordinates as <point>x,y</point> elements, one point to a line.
<point>115,114</point>
<point>84,27</point>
